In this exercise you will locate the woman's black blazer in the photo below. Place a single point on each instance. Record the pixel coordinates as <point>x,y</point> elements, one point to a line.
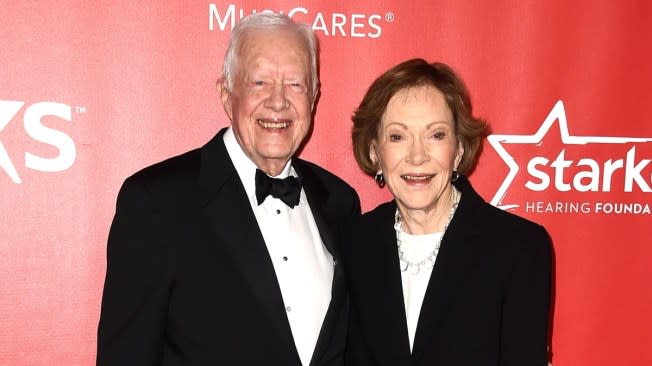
<point>487,301</point>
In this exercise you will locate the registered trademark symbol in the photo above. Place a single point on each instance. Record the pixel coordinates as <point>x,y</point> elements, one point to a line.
<point>389,16</point>
<point>80,109</point>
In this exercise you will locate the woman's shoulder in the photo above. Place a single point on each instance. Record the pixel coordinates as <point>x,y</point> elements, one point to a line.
<point>491,218</point>
<point>370,238</point>
<point>382,210</point>
<point>503,228</point>
<point>513,233</point>
<point>383,214</point>
<point>374,223</point>
<point>508,220</point>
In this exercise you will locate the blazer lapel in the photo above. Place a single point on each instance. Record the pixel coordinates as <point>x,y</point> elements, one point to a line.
<point>394,297</point>
<point>448,275</point>
<point>227,207</point>
<point>381,288</point>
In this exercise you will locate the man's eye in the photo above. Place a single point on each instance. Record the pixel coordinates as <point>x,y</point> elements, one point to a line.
<point>439,135</point>
<point>298,86</point>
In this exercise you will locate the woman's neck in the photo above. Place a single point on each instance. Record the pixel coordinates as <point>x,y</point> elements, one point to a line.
<point>432,219</point>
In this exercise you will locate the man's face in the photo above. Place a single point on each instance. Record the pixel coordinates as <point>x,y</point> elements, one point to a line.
<point>270,104</point>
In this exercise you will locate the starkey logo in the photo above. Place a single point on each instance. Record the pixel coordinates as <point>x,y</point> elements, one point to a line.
<point>329,24</point>
<point>32,124</point>
<point>583,174</point>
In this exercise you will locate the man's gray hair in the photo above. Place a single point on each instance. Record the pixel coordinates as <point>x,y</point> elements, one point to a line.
<point>268,20</point>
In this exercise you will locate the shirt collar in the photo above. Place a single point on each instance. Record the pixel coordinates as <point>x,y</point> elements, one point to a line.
<point>245,167</point>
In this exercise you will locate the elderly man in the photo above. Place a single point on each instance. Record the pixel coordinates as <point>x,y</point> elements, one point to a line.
<point>227,255</point>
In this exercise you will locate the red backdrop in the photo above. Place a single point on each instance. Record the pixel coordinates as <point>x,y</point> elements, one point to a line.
<point>92,91</point>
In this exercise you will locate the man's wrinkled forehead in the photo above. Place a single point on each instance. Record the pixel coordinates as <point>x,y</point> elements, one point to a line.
<point>262,36</point>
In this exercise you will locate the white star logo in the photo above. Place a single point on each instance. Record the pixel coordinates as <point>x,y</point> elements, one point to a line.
<point>556,114</point>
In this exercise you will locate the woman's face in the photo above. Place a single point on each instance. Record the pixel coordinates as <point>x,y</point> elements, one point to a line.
<point>416,148</point>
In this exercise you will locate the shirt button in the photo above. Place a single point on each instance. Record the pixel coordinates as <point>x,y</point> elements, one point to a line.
<point>288,308</point>
<point>278,212</point>
<point>285,258</point>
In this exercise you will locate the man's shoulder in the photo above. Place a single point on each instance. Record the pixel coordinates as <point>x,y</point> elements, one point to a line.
<point>330,180</point>
<point>179,170</point>
<point>182,167</point>
<point>342,198</point>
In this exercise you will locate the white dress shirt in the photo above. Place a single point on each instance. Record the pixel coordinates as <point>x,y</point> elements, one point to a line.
<point>416,248</point>
<point>303,266</point>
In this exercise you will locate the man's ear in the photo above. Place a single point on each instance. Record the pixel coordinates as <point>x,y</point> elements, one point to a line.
<point>315,96</point>
<point>225,95</point>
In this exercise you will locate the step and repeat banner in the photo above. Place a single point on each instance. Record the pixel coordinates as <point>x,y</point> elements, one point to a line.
<point>91,92</point>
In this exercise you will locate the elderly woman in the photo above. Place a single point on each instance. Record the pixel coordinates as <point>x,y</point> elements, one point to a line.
<point>438,276</point>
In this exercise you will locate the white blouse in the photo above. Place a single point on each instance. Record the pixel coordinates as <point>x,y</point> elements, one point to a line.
<point>415,249</point>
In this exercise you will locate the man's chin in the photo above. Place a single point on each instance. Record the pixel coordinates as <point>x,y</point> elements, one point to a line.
<point>276,148</point>
<point>272,162</point>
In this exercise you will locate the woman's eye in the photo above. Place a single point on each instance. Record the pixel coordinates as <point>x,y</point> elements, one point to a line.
<point>439,135</point>
<point>395,137</point>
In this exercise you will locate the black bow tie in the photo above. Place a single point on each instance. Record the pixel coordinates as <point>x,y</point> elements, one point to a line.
<point>287,189</point>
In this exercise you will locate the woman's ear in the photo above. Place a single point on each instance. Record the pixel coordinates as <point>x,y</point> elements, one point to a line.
<point>459,152</point>
<point>373,155</point>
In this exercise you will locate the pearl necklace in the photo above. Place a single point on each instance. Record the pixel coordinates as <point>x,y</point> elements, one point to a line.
<point>429,261</point>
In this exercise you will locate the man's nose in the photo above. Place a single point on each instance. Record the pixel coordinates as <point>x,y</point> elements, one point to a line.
<point>277,100</point>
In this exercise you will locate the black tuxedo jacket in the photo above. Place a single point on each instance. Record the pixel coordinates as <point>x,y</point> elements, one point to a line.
<point>189,280</point>
<point>486,303</point>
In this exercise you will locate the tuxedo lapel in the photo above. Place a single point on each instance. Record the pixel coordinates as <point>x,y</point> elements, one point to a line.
<point>227,207</point>
<point>318,197</point>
